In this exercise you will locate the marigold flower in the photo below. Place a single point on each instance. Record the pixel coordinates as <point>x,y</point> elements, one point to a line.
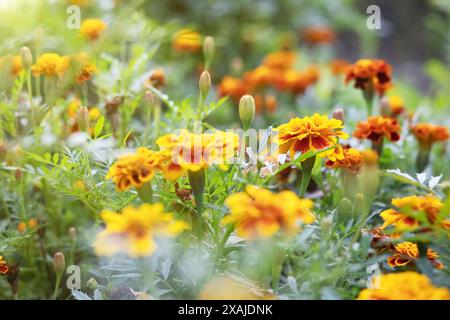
<point>187,40</point>
<point>3,266</point>
<point>377,128</point>
<point>228,288</point>
<point>405,286</point>
<point>193,152</point>
<point>14,63</point>
<point>402,220</point>
<point>51,64</point>
<point>233,87</point>
<point>158,78</point>
<point>319,35</point>
<point>297,81</point>
<point>309,133</point>
<point>370,72</point>
<point>261,76</point>
<point>133,230</point>
<point>259,213</point>
<point>92,29</point>
<point>396,105</point>
<point>24,226</point>
<point>135,169</point>
<point>281,60</point>
<point>428,134</point>
<point>352,160</point>
<point>84,68</point>
<point>407,252</point>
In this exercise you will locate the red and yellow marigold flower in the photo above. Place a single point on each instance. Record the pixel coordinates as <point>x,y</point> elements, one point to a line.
<point>407,252</point>
<point>133,231</point>
<point>133,170</point>
<point>370,74</point>
<point>377,128</point>
<point>351,161</point>
<point>193,152</point>
<point>83,67</point>
<point>235,88</point>
<point>309,133</point>
<point>259,213</point>
<point>428,134</point>
<point>3,266</point>
<point>403,217</point>
<point>92,29</point>
<point>396,106</point>
<point>404,286</point>
<point>187,40</point>
<point>51,64</point>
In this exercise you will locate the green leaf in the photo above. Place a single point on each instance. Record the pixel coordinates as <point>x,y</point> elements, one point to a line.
<point>99,126</point>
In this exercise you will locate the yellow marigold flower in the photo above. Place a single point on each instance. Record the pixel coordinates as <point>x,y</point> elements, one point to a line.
<point>309,133</point>
<point>92,29</point>
<point>84,68</point>
<point>51,64</point>
<point>193,152</point>
<point>14,63</point>
<point>377,128</point>
<point>407,252</point>
<point>405,286</point>
<point>428,134</point>
<point>228,288</point>
<point>133,230</point>
<point>94,114</point>
<point>281,60</point>
<point>401,219</point>
<point>396,105</point>
<point>339,66</point>
<point>319,35</point>
<point>80,3</point>
<point>352,160</point>
<point>259,213</point>
<point>187,40</point>
<point>3,266</point>
<point>233,87</point>
<point>370,72</point>
<point>134,170</point>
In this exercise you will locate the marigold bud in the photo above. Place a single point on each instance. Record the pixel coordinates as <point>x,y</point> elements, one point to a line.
<point>338,114</point>
<point>92,284</point>
<point>149,97</point>
<point>72,234</point>
<point>83,118</point>
<point>344,211</point>
<point>59,262</point>
<point>209,46</point>
<point>26,57</point>
<point>204,84</point>
<point>247,110</point>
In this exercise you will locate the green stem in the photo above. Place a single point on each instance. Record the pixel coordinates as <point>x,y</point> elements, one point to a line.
<point>58,282</point>
<point>423,158</point>
<point>157,120</point>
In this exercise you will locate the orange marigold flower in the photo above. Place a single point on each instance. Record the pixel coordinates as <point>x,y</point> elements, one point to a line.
<point>92,29</point>
<point>30,224</point>
<point>402,218</point>
<point>339,66</point>
<point>14,63</point>
<point>428,134</point>
<point>407,252</point>
<point>352,160</point>
<point>133,230</point>
<point>297,81</point>
<point>370,72</point>
<point>309,133</point>
<point>187,40</point>
<point>233,87</point>
<point>51,64</point>
<point>265,103</point>
<point>158,78</point>
<point>135,169</point>
<point>404,286</point>
<point>3,266</point>
<point>259,213</point>
<point>319,35</point>
<point>261,76</point>
<point>377,128</point>
<point>281,60</point>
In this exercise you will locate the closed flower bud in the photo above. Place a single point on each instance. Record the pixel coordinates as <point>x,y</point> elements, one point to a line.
<point>59,262</point>
<point>209,47</point>
<point>83,118</point>
<point>92,284</point>
<point>26,57</point>
<point>72,234</point>
<point>338,114</point>
<point>204,84</point>
<point>247,110</point>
